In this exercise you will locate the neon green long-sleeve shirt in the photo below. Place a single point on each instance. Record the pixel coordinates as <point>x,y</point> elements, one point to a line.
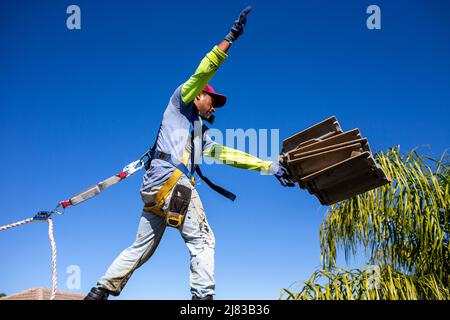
<point>238,159</point>
<point>205,71</point>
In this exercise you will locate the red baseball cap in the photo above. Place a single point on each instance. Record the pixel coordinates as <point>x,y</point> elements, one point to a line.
<point>219,99</point>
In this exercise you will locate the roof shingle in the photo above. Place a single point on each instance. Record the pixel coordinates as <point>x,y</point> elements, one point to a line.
<point>43,294</point>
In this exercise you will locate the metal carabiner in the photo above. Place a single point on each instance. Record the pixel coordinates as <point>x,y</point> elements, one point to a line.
<point>57,211</point>
<point>133,167</point>
<point>45,215</point>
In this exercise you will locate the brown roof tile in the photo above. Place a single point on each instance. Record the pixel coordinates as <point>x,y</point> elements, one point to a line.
<point>43,294</point>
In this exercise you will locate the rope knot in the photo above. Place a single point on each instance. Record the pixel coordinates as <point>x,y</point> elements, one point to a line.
<point>42,215</point>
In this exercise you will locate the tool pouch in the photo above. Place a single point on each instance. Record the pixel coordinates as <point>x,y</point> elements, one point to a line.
<point>178,205</point>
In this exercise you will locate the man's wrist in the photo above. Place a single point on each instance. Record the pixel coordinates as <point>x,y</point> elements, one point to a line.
<point>231,37</point>
<point>228,39</point>
<point>274,167</point>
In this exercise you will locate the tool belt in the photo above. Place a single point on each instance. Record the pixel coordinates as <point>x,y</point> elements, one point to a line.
<point>163,193</point>
<point>174,220</point>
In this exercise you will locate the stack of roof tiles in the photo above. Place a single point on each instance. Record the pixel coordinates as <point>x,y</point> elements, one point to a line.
<point>332,164</point>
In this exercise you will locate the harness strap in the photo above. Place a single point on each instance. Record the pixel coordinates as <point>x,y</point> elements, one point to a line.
<point>167,157</point>
<point>163,193</point>
<point>216,188</point>
<point>180,169</point>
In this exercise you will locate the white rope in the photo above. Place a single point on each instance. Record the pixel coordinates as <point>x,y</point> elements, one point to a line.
<point>52,244</point>
<point>20,223</point>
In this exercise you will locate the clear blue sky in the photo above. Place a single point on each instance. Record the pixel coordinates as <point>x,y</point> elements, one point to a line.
<point>76,106</point>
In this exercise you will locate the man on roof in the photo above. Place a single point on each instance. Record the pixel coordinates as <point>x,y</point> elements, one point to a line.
<point>168,188</point>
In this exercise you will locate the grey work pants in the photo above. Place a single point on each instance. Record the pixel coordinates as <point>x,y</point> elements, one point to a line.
<point>195,232</point>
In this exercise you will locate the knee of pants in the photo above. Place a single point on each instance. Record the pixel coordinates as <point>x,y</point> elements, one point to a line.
<point>150,227</point>
<point>210,238</point>
<point>197,231</point>
<point>205,241</point>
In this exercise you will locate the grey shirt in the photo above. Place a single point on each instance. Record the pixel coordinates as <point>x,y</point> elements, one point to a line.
<point>174,137</point>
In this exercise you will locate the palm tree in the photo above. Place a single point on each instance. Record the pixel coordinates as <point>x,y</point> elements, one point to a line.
<point>404,229</point>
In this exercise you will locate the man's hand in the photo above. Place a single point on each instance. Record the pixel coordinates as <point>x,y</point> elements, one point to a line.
<point>282,174</point>
<point>238,26</point>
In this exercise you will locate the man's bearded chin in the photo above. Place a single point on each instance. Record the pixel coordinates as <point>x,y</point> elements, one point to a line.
<point>209,118</point>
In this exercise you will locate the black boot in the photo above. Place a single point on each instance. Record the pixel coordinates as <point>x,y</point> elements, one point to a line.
<point>208,297</point>
<point>97,293</point>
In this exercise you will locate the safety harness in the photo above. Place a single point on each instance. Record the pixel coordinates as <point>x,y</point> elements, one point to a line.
<point>180,169</point>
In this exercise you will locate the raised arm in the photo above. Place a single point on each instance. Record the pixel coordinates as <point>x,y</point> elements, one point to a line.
<point>205,71</point>
<point>213,60</point>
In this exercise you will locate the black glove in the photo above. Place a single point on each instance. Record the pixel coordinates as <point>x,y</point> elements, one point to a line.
<point>282,175</point>
<point>238,26</point>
